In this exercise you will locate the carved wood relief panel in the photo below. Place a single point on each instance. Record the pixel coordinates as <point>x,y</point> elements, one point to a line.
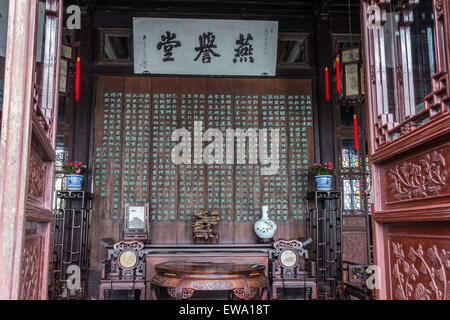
<point>419,264</point>
<point>36,178</point>
<point>420,177</point>
<point>33,261</point>
<point>355,246</point>
<point>354,222</point>
<point>31,268</point>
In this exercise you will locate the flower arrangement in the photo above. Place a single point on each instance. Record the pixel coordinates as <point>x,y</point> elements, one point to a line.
<point>74,167</point>
<point>323,169</point>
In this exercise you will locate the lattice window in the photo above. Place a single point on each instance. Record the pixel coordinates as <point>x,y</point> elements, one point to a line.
<point>293,50</point>
<point>350,158</point>
<point>352,196</point>
<point>407,70</point>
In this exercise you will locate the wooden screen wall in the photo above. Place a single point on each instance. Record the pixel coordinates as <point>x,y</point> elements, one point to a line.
<point>134,121</point>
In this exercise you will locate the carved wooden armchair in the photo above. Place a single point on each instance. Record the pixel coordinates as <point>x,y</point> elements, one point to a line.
<point>124,270</point>
<point>289,267</point>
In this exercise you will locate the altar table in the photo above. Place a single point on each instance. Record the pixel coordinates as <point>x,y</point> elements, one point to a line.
<point>182,279</point>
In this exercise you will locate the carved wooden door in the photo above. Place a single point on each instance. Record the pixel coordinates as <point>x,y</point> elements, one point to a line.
<point>408,97</point>
<point>27,152</point>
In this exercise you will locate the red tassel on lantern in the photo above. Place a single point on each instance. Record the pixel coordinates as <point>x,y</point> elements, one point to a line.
<point>338,75</point>
<point>77,81</point>
<point>355,131</point>
<point>327,86</point>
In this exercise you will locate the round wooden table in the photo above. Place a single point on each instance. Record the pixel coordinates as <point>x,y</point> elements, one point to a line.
<point>182,279</point>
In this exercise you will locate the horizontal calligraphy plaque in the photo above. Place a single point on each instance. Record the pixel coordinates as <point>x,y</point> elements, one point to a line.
<point>205,47</point>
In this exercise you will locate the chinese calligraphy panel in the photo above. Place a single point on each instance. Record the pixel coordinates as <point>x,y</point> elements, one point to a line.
<point>205,47</point>
<point>135,118</point>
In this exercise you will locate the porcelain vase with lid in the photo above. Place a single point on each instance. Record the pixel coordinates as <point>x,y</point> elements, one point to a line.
<point>265,228</point>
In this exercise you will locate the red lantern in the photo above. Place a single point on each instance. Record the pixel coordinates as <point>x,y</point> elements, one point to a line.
<point>355,131</point>
<point>327,86</point>
<point>338,75</point>
<point>77,81</point>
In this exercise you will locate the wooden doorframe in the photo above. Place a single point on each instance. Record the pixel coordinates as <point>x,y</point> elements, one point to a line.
<point>27,152</point>
<point>409,225</point>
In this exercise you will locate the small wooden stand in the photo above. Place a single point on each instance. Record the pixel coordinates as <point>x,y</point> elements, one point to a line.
<point>265,241</point>
<point>208,237</point>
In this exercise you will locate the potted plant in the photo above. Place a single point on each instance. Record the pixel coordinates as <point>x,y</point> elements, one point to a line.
<point>323,174</point>
<point>74,175</point>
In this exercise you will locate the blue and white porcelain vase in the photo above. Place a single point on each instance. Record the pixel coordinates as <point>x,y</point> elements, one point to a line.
<point>265,228</point>
<point>74,182</point>
<point>323,182</point>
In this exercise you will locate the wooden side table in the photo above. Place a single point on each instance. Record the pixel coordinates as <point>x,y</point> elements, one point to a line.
<point>182,279</point>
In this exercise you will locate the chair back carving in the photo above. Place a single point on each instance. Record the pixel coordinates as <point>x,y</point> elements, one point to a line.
<point>289,258</point>
<point>127,261</point>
